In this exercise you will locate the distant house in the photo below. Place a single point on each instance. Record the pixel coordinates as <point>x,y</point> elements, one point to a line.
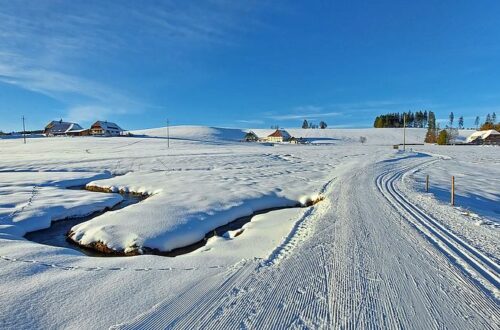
<point>279,135</point>
<point>484,137</point>
<point>105,128</point>
<point>251,137</point>
<point>60,127</point>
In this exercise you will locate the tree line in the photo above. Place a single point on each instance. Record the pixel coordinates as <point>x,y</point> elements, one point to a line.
<point>422,119</point>
<point>418,119</point>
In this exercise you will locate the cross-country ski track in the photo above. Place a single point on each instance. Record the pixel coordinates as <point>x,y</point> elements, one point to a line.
<point>367,257</point>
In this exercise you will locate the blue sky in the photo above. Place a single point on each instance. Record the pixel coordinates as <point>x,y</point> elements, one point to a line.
<point>246,63</point>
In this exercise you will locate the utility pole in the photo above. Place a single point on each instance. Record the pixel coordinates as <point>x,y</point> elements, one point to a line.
<point>404,131</point>
<point>453,190</point>
<point>24,131</point>
<point>168,133</point>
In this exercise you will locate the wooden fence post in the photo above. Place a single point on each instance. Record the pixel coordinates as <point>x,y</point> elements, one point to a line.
<point>452,190</point>
<point>427,183</point>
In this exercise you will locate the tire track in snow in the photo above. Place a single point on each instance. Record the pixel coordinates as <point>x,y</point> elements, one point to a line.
<point>463,254</point>
<point>170,314</point>
<point>361,266</point>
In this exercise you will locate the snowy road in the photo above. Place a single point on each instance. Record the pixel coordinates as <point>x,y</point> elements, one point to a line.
<point>371,259</point>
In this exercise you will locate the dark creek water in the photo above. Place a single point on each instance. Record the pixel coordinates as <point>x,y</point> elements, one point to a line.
<point>219,231</point>
<point>56,234</point>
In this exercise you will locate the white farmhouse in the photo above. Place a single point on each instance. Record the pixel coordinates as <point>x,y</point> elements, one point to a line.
<point>279,135</point>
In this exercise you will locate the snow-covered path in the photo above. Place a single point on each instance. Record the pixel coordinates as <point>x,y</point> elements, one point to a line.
<point>369,260</point>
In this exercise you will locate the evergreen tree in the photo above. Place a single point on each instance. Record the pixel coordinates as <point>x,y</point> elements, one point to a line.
<point>305,124</point>
<point>493,118</point>
<point>322,125</point>
<point>452,116</point>
<point>476,122</point>
<point>488,119</point>
<point>432,120</point>
<point>461,122</point>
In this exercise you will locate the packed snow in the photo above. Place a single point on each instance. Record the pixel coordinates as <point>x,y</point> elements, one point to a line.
<point>341,261</point>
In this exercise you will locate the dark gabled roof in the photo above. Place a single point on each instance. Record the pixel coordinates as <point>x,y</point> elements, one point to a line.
<point>59,126</point>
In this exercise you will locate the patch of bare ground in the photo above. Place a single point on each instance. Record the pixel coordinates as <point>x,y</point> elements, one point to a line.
<point>103,249</point>
<point>111,190</point>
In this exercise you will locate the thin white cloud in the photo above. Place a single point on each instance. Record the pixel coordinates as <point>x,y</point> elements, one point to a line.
<point>250,121</point>
<point>317,115</point>
<point>347,109</point>
<point>45,46</point>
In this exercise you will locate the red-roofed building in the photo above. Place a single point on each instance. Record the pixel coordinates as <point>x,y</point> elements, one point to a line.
<point>279,135</point>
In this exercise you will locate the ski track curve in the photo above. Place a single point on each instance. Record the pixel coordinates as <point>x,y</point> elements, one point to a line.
<point>472,261</point>
<point>372,259</point>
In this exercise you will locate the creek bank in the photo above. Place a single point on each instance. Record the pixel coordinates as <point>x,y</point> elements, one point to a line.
<point>58,232</point>
<point>101,249</point>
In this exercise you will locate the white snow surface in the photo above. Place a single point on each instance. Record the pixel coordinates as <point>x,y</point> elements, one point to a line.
<point>377,252</point>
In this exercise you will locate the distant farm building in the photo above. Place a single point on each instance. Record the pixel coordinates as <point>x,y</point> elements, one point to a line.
<point>105,128</point>
<point>251,137</point>
<point>490,137</point>
<point>279,135</point>
<point>59,127</point>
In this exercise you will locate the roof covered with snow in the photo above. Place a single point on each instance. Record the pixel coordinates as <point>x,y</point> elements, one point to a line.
<point>59,126</point>
<point>280,133</point>
<point>107,125</point>
<point>482,135</point>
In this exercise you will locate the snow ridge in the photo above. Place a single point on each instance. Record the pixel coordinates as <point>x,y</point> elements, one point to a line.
<point>301,230</point>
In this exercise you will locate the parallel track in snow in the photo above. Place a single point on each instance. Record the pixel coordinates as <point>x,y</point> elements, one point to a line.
<point>360,266</point>
<point>473,262</point>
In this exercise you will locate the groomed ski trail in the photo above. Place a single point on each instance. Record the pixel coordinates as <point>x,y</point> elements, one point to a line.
<point>372,260</point>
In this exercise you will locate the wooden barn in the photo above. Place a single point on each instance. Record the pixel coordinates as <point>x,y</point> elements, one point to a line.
<point>105,128</point>
<point>489,137</point>
<point>62,128</point>
<point>251,137</point>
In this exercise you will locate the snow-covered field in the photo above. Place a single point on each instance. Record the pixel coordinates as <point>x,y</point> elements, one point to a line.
<point>328,265</point>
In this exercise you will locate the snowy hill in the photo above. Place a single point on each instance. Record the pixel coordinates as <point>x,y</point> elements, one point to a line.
<point>374,136</point>
<point>195,133</point>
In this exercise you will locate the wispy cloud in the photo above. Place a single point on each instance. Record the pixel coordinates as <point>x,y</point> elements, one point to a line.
<point>48,47</point>
<point>347,109</point>
<point>318,115</point>
<point>251,121</point>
